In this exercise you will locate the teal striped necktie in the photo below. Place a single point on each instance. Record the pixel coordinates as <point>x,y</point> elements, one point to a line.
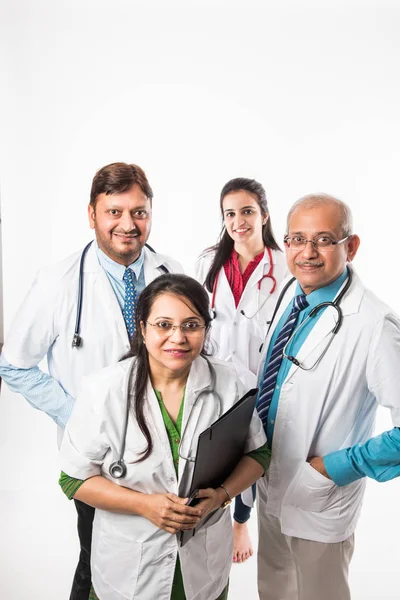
<point>272,370</point>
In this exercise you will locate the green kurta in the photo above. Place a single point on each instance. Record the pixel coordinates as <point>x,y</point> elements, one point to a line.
<point>70,486</point>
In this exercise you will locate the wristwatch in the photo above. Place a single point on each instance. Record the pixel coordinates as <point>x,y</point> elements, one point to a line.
<point>229,499</point>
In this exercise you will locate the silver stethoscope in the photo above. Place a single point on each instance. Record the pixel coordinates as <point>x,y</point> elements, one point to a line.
<point>117,469</point>
<point>335,304</point>
<point>77,339</point>
<point>269,275</point>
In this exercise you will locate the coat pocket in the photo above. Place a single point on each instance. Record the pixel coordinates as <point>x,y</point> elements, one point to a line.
<point>115,564</point>
<point>313,492</point>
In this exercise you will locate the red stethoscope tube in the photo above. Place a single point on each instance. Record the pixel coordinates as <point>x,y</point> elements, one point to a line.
<point>269,275</point>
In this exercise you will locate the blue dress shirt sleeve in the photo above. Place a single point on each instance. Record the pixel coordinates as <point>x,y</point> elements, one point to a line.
<point>378,458</point>
<point>41,390</point>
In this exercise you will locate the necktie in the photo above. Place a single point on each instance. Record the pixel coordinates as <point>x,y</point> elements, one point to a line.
<point>272,370</point>
<point>131,297</point>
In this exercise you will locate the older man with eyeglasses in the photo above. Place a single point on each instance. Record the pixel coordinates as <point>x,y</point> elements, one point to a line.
<point>320,382</point>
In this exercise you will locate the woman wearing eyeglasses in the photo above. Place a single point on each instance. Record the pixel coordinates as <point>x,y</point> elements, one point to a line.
<point>175,394</point>
<point>242,274</point>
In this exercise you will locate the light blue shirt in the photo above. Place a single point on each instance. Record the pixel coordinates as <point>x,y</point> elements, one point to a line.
<point>325,294</point>
<point>115,273</point>
<point>41,390</point>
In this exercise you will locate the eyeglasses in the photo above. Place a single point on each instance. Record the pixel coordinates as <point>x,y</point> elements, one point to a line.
<point>320,243</point>
<point>190,328</point>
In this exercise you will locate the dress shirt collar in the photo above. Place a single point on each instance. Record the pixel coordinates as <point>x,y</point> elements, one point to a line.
<point>324,294</point>
<point>114,268</point>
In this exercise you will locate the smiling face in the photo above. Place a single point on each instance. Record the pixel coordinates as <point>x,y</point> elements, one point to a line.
<point>314,268</point>
<point>243,218</point>
<point>122,223</point>
<point>172,351</point>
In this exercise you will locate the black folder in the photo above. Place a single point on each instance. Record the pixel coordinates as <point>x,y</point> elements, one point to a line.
<point>220,448</point>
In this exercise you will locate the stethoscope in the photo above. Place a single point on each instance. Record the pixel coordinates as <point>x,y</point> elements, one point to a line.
<point>335,304</point>
<point>77,339</point>
<point>269,275</point>
<point>117,469</point>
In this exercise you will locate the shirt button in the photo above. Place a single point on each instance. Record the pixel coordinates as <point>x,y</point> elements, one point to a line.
<point>177,460</point>
<point>233,351</point>
<point>177,441</point>
<point>234,323</point>
<point>272,421</point>
<point>277,387</point>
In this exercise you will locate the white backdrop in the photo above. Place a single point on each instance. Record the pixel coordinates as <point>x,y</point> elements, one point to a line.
<point>303,96</point>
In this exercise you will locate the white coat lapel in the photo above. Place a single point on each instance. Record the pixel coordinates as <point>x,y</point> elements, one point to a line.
<point>154,417</point>
<point>102,292</point>
<point>223,295</point>
<point>151,265</point>
<point>199,379</point>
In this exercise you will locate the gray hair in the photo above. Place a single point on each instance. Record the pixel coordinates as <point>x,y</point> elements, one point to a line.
<point>311,200</point>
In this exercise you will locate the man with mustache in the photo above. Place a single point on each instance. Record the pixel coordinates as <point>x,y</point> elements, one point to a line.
<point>116,269</point>
<point>322,375</point>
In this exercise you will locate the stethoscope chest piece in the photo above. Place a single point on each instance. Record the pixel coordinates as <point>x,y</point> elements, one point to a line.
<point>117,469</point>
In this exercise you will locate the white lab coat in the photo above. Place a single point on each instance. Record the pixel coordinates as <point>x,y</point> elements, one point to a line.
<point>237,338</point>
<point>131,557</point>
<point>45,323</point>
<point>329,408</point>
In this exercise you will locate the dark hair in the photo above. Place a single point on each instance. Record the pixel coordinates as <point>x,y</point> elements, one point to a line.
<point>117,178</point>
<point>224,246</point>
<point>179,285</point>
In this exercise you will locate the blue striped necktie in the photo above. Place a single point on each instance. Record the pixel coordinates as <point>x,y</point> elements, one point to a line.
<point>272,370</point>
<point>131,297</point>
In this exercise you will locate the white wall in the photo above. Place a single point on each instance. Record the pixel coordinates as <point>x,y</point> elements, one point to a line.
<point>1,286</point>
<point>303,96</point>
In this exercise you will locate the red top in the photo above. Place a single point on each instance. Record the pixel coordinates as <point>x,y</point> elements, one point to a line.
<point>238,280</point>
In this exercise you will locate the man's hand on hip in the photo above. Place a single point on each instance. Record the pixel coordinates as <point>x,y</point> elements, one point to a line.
<point>317,462</point>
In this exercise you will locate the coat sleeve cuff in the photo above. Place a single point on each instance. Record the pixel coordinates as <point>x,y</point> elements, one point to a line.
<point>340,469</point>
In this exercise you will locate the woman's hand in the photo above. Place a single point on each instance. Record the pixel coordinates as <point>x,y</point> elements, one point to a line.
<point>169,512</point>
<point>210,500</point>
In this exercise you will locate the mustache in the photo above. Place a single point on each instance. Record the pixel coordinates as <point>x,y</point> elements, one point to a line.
<point>309,263</point>
<point>131,232</point>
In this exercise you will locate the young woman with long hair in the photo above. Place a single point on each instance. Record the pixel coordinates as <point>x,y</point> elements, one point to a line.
<point>242,274</point>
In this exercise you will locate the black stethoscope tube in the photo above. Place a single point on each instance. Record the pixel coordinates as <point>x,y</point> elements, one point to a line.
<point>77,340</point>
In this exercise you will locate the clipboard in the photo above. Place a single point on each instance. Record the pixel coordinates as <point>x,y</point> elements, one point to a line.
<point>220,447</point>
